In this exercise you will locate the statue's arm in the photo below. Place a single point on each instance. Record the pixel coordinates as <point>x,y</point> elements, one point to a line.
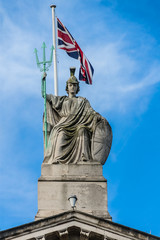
<point>56,102</point>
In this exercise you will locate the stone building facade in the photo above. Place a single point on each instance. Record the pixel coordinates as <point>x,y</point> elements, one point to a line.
<point>74,225</point>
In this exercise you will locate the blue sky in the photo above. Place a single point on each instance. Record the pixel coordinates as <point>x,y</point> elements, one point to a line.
<point>121,39</point>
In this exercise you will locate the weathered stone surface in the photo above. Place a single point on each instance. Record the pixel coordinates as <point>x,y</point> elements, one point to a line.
<point>59,182</point>
<point>53,197</point>
<point>71,171</point>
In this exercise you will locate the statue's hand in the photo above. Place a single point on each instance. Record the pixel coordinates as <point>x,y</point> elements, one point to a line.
<point>44,76</point>
<point>43,84</point>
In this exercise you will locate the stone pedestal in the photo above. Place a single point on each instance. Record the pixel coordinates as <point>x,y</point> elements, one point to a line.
<point>58,182</point>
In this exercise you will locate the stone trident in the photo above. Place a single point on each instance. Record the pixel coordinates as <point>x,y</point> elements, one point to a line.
<point>46,65</point>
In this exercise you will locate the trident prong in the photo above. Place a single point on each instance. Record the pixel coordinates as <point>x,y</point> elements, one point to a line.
<point>44,54</point>
<point>37,59</point>
<point>43,81</point>
<point>44,62</point>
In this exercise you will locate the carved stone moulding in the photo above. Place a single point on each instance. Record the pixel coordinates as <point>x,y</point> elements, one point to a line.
<point>72,233</point>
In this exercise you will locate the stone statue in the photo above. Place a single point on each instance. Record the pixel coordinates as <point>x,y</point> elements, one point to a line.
<point>77,134</point>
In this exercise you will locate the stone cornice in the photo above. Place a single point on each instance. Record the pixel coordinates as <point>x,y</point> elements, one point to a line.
<point>87,224</point>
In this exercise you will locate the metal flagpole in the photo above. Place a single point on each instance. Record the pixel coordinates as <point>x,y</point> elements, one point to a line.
<point>54,51</point>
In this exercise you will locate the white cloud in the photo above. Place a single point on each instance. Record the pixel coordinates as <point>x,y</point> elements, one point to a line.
<point>119,82</point>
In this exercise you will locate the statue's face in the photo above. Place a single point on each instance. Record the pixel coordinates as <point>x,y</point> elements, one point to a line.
<point>72,88</point>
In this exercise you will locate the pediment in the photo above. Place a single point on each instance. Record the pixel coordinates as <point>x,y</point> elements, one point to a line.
<point>73,225</point>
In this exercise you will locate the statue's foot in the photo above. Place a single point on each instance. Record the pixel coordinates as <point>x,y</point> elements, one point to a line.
<point>84,159</point>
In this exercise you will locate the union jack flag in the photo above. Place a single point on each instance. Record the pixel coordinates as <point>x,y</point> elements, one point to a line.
<point>68,43</point>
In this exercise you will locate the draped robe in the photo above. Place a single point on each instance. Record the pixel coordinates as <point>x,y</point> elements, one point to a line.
<point>71,129</point>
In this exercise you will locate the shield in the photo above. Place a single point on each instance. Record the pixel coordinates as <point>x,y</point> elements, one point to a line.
<point>101,142</point>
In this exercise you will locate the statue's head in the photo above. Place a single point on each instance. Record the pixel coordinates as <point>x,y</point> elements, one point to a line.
<point>72,80</point>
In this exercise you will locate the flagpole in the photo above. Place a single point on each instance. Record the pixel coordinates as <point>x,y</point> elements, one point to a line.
<point>54,51</point>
